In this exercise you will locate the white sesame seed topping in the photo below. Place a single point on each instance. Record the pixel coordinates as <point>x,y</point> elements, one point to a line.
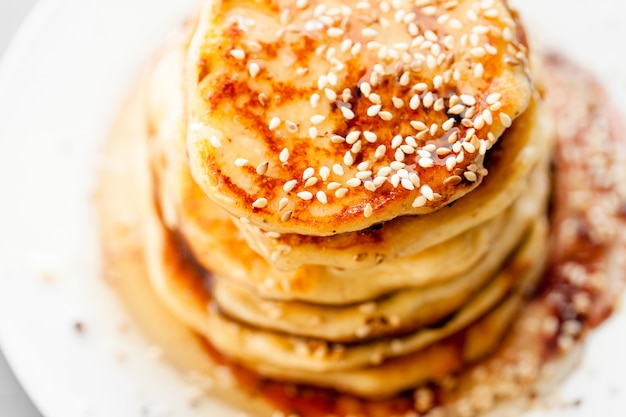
<point>407,184</point>
<point>324,173</point>
<point>321,197</point>
<point>260,203</point>
<point>356,148</point>
<point>338,169</point>
<point>274,123</point>
<point>367,212</point>
<point>341,192</point>
<point>284,155</point>
<point>397,165</point>
<point>427,192</point>
<point>352,137</point>
<point>215,142</point>
<point>282,204</point>
<point>290,185</point>
<point>457,109</point>
<point>238,54</point>
<point>353,182</point>
<point>335,32</point>
<point>317,119</point>
<point>363,175</point>
<point>301,4</point>
<point>374,110</point>
<point>313,132</point>
<point>414,102</point>
<point>419,201</point>
<point>308,173</point>
<point>261,169</point>
<point>347,113</point>
<point>241,162</point>
<point>426,162</point>
<point>333,186</point>
<point>450,162</point>
<point>254,69</point>
<point>305,195</point>
<point>380,151</point>
<point>369,32</point>
<point>506,120</point>
<point>315,99</point>
<point>348,159</point>
<point>470,176</point>
<point>370,136</point>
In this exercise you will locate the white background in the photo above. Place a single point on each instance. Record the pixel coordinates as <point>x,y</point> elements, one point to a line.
<point>13,400</point>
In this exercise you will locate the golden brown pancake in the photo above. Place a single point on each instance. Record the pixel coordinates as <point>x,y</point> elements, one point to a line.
<point>324,118</point>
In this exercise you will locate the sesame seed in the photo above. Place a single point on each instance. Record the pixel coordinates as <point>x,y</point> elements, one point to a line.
<point>315,99</point>
<point>407,149</point>
<point>380,151</point>
<point>274,123</point>
<point>385,115</point>
<point>455,24</point>
<point>418,125</point>
<point>348,159</point>
<point>254,69</point>
<point>356,49</point>
<point>333,186</point>
<point>479,70</point>
<point>429,10</point>
<point>282,204</point>
<point>478,52</point>
<point>469,148</point>
<point>335,32</point>
<point>366,88</point>
<point>397,165</point>
<point>414,102</point>
<point>399,155</point>
<point>290,185</point>
<point>470,176</point>
<point>341,192</point>
<point>433,129</point>
<point>370,136</point>
<point>284,155</point>
<point>479,122</point>
<point>457,109</point>
<point>261,169</point>
<point>238,54</point>
<point>347,113</point>
<point>362,175</point>
<point>338,169</point>
<point>398,103</point>
<point>356,148</point>
<point>468,99</point>
<point>308,173</point>
<point>367,212</point>
<point>332,78</point>
<point>427,192</point>
<point>240,162</point>
<point>317,119</point>
<point>313,133</point>
<point>419,201</point>
<point>426,162</point>
<point>374,110</point>
<point>450,162</point>
<point>369,32</point>
<point>324,173</point>
<point>352,137</point>
<point>305,195</point>
<point>405,79</point>
<point>330,94</point>
<point>369,185</point>
<point>215,142</point>
<point>407,184</point>
<point>506,120</point>
<point>374,98</point>
<point>379,181</point>
<point>301,4</point>
<point>291,126</point>
<point>428,100</point>
<point>260,203</point>
<point>395,180</point>
<point>363,166</point>
<point>321,197</point>
<point>353,182</point>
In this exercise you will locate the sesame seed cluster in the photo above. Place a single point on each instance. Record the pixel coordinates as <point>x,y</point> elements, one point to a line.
<point>317,117</point>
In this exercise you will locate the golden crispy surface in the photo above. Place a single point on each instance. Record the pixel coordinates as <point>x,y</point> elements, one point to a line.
<point>322,118</point>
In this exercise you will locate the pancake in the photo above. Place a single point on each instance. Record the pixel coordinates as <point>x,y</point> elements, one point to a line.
<point>404,235</point>
<point>330,118</point>
<point>395,313</point>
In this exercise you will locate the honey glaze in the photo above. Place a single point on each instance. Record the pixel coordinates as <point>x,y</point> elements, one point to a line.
<point>582,282</point>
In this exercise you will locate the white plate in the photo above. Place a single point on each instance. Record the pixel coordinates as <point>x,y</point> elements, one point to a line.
<point>60,85</point>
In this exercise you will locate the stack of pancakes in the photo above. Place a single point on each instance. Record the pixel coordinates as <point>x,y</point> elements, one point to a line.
<point>350,195</point>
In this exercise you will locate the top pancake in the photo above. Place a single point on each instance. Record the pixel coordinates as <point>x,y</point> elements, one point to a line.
<point>323,118</point>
